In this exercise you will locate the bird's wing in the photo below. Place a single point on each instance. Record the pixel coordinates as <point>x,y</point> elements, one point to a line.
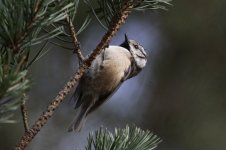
<point>104,97</point>
<point>86,80</point>
<point>77,96</point>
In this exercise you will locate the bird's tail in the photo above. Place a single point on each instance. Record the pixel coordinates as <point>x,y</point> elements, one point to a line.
<point>79,120</point>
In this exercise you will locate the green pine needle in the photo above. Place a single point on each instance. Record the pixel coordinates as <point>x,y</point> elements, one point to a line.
<point>21,27</point>
<point>12,84</point>
<point>130,138</point>
<point>105,10</point>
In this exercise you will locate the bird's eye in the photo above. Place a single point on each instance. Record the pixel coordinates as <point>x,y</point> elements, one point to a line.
<point>136,46</point>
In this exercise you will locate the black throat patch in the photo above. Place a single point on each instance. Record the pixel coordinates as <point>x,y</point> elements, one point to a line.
<point>125,45</point>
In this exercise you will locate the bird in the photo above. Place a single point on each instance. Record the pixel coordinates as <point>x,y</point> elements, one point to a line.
<point>114,65</point>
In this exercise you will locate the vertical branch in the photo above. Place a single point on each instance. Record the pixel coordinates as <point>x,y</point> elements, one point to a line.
<point>77,47</point>
<point>116,24</point>
<point>24,113</point>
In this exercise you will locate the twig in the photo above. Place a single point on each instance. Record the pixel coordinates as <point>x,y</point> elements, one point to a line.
<point>77,47</point>
<point>24,113</point>
<point>118,21</point>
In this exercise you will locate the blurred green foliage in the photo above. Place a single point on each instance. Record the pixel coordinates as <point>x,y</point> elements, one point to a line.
<point>21,27</point>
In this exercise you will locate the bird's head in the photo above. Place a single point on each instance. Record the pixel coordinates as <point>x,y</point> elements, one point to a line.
<point>137,51</point>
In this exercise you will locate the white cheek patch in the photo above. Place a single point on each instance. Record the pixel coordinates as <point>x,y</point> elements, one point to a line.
<point>140,61</point>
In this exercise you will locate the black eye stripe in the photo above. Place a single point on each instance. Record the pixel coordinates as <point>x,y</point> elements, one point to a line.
<point>143,53</point>
<point>141,56</point>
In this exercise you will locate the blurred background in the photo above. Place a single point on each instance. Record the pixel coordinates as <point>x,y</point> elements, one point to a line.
<point>180,95</point>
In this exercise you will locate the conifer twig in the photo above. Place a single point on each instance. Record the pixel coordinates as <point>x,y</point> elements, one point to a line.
<point>24,113</point>
<point>116,24</point>
<point>21,36</point>
<point>77,48</point>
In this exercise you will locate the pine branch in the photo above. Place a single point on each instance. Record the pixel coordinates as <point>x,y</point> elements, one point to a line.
<point>24,113</point>
<point>107,9</point>
<point>119,20</point>
<point>31,16</point>
<point>77,48</point>
<point>71,37</point>
<point>130,138</point>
